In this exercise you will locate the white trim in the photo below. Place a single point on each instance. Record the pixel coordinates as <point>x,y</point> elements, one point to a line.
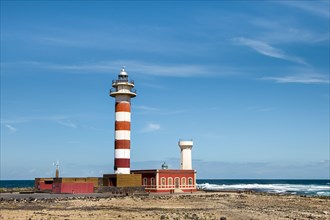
<point>122,153</point>
<point>157,180</point>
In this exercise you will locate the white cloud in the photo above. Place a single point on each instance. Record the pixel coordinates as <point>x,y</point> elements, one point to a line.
<point>150,127</point>
<point>67,123</point>
<point>298,79</point>
<point>267,50</point>
<point>11,128</point>
<point>26,119</point>
<point>183,70</point>
<point>60,119</point>
<point>280,31</point>
<point>145,108</point>
<point>319,8</point>
<point>305,76</point>
<point>143,68</point>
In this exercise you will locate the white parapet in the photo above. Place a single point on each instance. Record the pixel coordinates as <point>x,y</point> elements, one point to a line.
<point>186,159</point>
<point>123,171</point>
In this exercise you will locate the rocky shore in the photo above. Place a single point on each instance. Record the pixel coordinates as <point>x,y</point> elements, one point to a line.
<point>200,205</point>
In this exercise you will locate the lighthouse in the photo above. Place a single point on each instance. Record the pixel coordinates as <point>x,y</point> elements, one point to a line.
<point>122,90</point>
<point>186,159</point>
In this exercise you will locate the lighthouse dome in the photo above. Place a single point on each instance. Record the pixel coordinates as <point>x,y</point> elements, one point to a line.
<point>123,72</point>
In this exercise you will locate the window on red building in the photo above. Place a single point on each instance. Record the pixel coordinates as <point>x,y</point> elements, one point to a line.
<point>177,182</point>
<point>190,181</point>
<point>183,181</point>
<point>152,181</point>
<point>163,182</point>
<point>170,182</point>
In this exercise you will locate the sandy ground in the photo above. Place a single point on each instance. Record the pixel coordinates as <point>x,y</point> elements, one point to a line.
<point>220,205</point>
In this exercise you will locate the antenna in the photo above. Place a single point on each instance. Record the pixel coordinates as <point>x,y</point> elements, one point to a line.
<point>57,164</point>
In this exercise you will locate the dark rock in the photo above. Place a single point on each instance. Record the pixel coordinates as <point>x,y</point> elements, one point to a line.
<point>223,218</point>
<point>194,217</point>
<point>162,217</point>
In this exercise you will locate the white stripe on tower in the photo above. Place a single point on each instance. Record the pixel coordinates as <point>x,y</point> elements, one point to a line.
<point>122,136</point>
<point>122,153</point>
<point>123,116</point>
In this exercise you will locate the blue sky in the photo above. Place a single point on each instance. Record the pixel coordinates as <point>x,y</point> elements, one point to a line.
<point>247,81</point>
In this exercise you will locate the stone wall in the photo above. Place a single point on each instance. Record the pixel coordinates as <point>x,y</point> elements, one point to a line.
<point>121,190</point>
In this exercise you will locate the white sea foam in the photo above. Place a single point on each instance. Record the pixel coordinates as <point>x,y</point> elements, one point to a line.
<point>327,193</point>
<point>275,188</point>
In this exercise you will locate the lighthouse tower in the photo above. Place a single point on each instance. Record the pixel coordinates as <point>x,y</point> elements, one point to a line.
<point>186,159</point>
<point>122,90</point>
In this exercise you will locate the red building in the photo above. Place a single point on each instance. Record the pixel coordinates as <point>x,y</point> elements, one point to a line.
<point>43,184</point>
<point>68,185</point>
<point>164,180</point>
<point>73,187</point>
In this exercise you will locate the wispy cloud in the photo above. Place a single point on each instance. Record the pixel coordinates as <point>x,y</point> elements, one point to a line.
<point>60,119</point>
<point>267,50</point>
<point>138,67</point>
<point>145,108</point>
<point>67,123</point>
<point>25,119</point>
<point>11,128</point>
<point>183,70</point>
<point>280,31</point>
<point>305,76</point>
<point>299,79</point>
<point>319,8</point>
<point>150,127</point>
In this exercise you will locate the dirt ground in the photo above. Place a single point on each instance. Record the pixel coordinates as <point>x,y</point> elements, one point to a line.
<point>201,205</point>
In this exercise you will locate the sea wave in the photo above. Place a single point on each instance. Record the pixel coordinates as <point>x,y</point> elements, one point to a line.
<point>272,188</point>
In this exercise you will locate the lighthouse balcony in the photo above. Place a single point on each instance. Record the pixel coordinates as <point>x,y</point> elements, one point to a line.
<point>122,82</point>
<point>114,91</point>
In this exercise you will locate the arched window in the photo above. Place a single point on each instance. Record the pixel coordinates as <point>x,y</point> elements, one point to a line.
<point>170,182</point>
<point>152,182</point>
<point>183,181</point>
<point>163,182</point>
<point>145,181</point>
<point>177,182</point>
<point>190,181</point>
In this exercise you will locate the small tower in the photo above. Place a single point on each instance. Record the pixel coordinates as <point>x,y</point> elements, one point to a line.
<point>122,90</point>
<point>164,166</point>
<point>57,172</point>
<point>186,159</point>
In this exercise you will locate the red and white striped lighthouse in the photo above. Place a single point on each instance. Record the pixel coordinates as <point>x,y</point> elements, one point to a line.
<point>123,92</point>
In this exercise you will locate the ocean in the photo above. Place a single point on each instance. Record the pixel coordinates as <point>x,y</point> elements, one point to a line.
<point>285,186</point>
<point>279,186</point>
